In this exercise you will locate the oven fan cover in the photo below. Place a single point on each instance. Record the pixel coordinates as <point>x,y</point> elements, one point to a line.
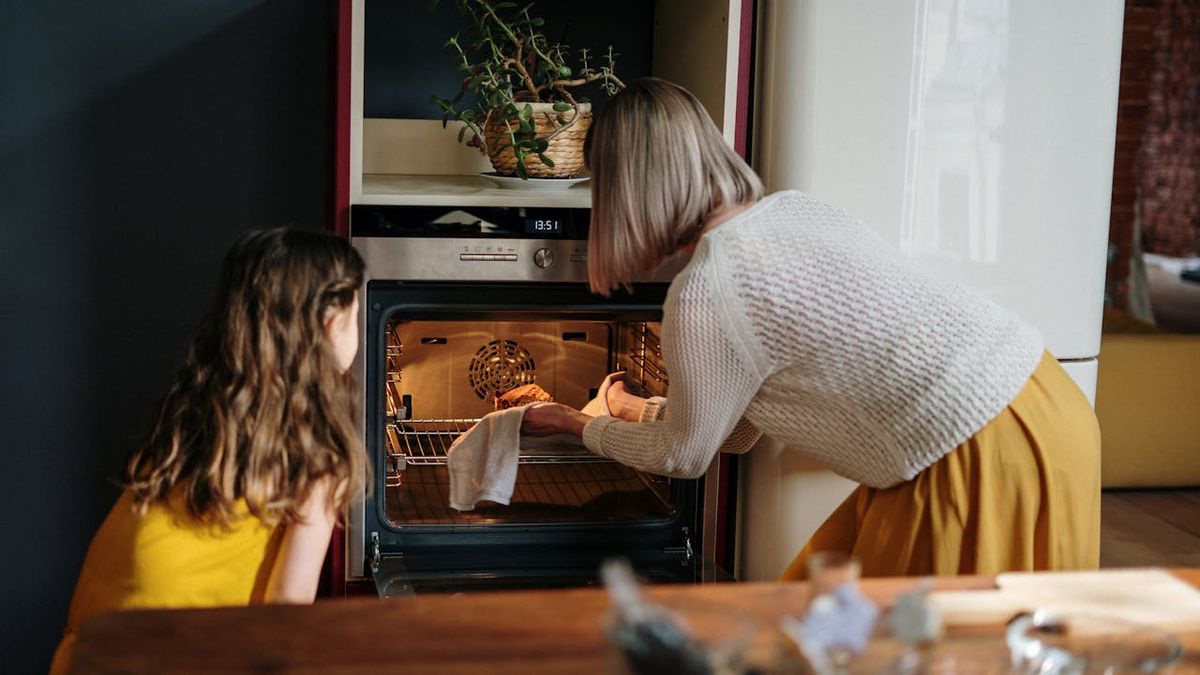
<point>499,366</point>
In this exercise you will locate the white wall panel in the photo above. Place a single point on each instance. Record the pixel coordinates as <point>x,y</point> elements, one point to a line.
<point>974,135</point>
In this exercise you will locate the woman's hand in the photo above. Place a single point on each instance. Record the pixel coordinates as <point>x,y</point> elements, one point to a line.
<point>623,404</point>
<point>547,419</point>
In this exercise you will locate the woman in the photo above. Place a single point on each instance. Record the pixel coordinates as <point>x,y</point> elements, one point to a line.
<point>974,451</point>
<point>233,497</point>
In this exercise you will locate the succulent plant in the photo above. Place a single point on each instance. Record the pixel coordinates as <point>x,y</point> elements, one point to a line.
<point>509,64</point>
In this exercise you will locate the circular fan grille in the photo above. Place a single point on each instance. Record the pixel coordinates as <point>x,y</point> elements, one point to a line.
<point>498,366</point>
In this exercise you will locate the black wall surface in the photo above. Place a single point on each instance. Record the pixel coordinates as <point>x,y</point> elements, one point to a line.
<point>137,139</point>
<point>406,61</point>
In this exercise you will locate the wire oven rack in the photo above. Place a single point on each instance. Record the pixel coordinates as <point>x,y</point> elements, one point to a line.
<point>640,356</point>
<point>392,355</point>
<point>426,442</point>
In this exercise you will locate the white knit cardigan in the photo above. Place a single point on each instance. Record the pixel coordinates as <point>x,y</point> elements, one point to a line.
<point>796,321</point>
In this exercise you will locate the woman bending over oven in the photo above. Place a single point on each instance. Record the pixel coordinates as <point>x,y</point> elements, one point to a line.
<point>974,450</point>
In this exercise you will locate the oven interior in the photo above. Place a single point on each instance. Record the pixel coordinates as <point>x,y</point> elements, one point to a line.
<point>441,376</point>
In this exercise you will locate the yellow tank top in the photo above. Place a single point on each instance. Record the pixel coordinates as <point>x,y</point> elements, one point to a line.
<point>165,559</point>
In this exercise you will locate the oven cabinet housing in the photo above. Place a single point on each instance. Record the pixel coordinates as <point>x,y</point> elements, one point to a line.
<point>395,159</point>
<point>437,354</point>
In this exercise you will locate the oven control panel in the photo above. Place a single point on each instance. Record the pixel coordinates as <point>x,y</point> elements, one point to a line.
<point>488,257</point>
<point>473,259</point>
<point>476,243</point>
<point>543,257</point>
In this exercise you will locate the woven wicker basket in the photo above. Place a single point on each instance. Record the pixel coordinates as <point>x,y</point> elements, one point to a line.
<point>566,148</point>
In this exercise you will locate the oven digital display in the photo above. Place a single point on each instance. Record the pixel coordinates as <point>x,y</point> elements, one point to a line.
<point>543,226</point>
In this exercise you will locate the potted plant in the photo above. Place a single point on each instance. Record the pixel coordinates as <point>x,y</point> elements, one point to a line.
<point>516,101</point>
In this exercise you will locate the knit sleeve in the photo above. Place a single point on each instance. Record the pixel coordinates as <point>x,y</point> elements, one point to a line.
<point>713,379</point>
<point>653,410</point>
<point>743,437</point>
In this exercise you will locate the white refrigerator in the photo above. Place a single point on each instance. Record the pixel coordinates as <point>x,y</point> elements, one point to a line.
<point>977,137</point>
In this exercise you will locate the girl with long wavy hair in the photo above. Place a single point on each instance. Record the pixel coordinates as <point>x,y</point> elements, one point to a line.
<point>255,452</point>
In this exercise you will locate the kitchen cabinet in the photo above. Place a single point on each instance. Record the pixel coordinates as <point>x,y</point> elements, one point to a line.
<point>410,161</point>
<point>395,154</point>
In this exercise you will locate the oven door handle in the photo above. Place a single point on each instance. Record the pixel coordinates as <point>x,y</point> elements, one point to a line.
<point>684,551</point>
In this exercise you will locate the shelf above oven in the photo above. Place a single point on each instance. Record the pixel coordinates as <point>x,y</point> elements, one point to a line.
<point>430,190</point>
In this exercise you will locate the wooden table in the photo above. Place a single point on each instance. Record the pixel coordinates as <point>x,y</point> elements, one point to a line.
<point>511,632</point>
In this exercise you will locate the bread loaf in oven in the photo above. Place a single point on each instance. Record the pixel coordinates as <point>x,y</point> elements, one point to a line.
<point>527,393</point>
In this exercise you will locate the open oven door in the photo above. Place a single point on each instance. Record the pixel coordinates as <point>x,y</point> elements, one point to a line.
<point>570,511</point>
<point>516,568</point>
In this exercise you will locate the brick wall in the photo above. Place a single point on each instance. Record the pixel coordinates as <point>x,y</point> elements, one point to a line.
<point>1158,136</point>
<point>1132,107</point>
<point>1170,168</point>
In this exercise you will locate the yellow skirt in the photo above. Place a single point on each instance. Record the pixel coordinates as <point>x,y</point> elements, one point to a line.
<point>1023,493</point>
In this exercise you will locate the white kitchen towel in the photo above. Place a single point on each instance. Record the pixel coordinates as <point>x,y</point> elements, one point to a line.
<point>483,461</point>
<point>599,405</point>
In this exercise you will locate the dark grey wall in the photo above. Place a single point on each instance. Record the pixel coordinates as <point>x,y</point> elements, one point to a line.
<point>136,140</point>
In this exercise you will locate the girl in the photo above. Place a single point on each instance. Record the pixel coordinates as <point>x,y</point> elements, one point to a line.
<point>974,451</point>
<point>233,498</point>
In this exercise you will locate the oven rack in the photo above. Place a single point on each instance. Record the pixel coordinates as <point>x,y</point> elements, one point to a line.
<point>426,442</point>
<point>641,359</point>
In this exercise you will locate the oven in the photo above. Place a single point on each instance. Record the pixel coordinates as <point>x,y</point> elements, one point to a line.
<point>463,303</point>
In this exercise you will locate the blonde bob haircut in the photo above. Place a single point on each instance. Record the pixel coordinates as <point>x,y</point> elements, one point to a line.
<point>659,167</point>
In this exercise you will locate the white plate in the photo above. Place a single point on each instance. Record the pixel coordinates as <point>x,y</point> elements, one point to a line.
<point>518,183</point>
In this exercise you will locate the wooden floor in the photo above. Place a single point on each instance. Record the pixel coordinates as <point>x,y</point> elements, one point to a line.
<point>1150,527</point>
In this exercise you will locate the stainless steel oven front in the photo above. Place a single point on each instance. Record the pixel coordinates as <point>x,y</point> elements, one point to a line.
<point>461,304</point>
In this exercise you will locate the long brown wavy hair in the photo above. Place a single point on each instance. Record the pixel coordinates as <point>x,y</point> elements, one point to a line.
<point>260,409</point>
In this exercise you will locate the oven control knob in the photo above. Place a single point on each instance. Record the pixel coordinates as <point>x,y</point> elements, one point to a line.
<point>543,258</point>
